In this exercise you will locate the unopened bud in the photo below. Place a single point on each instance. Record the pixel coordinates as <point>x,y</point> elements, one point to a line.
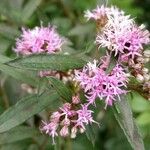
<point>67,106</point>
<point>65,122</point>
<point>140,59</point>
<point>145,70</point>
<point>146,77</point>
<point>137,66</point>
<point>82,130</point>
<point>76,99</point>
<point>147,53</point>
<point>73,132</point>
<point>146,60</point>
<point>128,74</point>
<point>64,131</point>
<point>140,78</point>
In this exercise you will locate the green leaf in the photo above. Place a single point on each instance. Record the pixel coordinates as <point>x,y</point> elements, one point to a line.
<point>26,108</point>
<point>61,88</point>
<point>18,74</point>
<point>90,133</point>
<point>81,30</point>
<point>33,147</point>
<point>4,59</point>
<point>127,124</point>
<point>144,119</point>
<point>17,134</point>
<point>139,103</point>
<point>29,9</point>
<point>21,145</point>
<point>47,62</point>
<point>9,32</point>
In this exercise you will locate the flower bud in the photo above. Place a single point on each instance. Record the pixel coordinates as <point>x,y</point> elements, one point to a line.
<point>137,66</point>
<point>140,59</point>
<point>64,131</point>
<point>146,60</point>
<point>65,122</point>
<point>82,130</point>
<point>147,53</point>
<point>140,78</point>
<point>146,77</point>
<point>145,70</point>
<point>76,99</point>
<point>73,132</point>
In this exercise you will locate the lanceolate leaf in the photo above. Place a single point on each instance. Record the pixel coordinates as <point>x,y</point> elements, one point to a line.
<point>4,59</point>
<point>29,9</point>
<point>91,135</point>
<point>61,88</point>
<point>26,108</point>
<point>17,134</point>
<point>126,121</point>
<point>21,145</point>
<point>47,62</point>
<point>18,74</point>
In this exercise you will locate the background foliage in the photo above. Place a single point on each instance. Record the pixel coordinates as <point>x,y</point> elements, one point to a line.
<point>67,15</point>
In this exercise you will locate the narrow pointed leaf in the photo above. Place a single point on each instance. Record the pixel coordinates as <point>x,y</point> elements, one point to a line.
<point>126,121</point>
<point>22,145</point>
<point>90,133</point>
<point>17,134</point>
<point>29,9</point>
<point>48,62</point>
<point>18,74</point>
<point>4,59</point>
<point>26,108</point>
<point>61,88</point>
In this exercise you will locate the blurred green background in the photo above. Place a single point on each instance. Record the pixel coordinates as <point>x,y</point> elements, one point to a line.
<point>68,16</point>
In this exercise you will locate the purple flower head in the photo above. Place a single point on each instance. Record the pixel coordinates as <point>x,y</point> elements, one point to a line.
<point>97,83</point>
<point>84,116</point>
<point>101,11</point>
<point>68,120</point>
<point>50,129</point>
<point>120,34</point>
<point>96,14</point>
<point>128,42</point>
<point>38,40</point>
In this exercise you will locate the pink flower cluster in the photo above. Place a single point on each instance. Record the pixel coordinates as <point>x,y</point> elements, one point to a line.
<point>68,120</point>
<point>39,40</point>
<point>101,11</point>
<point>120,33</point>
<point>123,40</point>
<point>99,84</point>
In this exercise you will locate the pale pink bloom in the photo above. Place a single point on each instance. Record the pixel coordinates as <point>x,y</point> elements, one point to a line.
<point>120,33</point>
<point>98,83</point>
<point>55,116</point>
<point>65,122</point>
<point>96,13</point>
<point>127,42</point>
<point>38,40</point>
<point>101,11</point>
<point>50,129</point>
<point>84,117</point>
<point>68,120</point>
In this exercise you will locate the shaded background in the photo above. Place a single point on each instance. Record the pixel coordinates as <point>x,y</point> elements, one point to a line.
<point>68,16</point>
